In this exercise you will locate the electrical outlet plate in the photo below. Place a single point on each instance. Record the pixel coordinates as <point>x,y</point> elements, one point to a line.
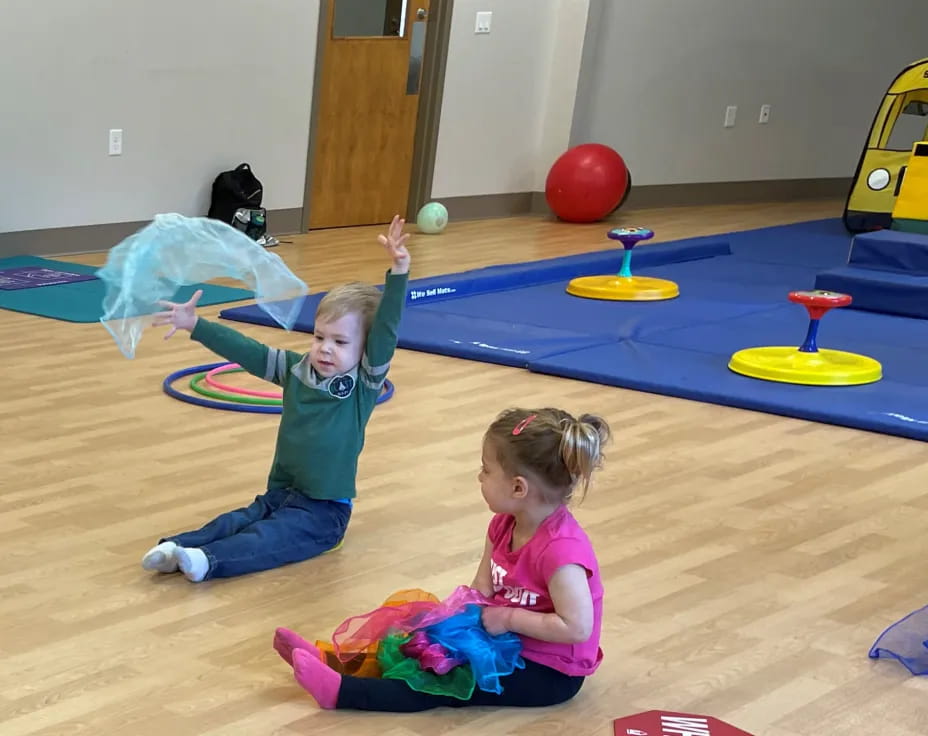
<point>764,114</point>
<point>482,25</point>
<point>115,148</point>
<point>731,113</point>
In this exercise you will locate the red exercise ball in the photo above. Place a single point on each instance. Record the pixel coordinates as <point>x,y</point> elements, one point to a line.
<point>586,183</point>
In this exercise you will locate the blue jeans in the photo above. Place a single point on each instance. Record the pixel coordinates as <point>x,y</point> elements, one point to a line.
<point>280,527</point>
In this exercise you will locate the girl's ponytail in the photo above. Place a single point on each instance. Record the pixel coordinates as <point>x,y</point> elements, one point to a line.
<point>582,443</point>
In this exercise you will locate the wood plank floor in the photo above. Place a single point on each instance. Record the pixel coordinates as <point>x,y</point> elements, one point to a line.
<point>749,560</point>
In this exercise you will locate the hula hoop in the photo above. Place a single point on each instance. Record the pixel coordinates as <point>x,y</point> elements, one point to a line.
<point>196,384</point>
<point>168,387</point>
<point>236,368</point>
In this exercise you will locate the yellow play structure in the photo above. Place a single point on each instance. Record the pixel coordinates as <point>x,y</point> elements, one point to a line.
<point>910,212</point>
<point>883,170</point>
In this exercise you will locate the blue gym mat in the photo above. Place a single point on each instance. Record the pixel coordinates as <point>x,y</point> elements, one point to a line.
<point>82,301</point>
<point>733,295</point>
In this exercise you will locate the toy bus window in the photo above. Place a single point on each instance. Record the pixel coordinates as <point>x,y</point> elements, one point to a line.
<point>910,128</point>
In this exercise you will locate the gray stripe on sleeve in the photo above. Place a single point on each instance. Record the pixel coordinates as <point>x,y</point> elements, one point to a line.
<point>273,359</point>
<point>374,370</point>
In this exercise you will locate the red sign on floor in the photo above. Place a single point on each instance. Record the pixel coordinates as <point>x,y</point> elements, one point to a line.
<point>660,723</point>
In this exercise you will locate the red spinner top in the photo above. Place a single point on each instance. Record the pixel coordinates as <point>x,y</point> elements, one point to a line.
<point>818,302</point>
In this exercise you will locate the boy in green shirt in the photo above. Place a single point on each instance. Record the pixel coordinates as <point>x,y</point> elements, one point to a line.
<point>329,394</point>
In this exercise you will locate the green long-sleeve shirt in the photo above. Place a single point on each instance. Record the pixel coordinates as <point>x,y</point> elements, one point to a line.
<point>322,425</point>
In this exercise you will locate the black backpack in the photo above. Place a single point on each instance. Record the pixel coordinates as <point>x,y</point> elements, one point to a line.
<point>236,200</point>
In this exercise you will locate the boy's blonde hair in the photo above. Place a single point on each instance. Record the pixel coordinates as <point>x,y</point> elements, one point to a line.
<point>551,446</point>
<point>355,297</point>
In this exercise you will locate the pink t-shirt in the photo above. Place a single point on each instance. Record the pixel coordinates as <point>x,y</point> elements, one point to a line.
<point>520,579</point>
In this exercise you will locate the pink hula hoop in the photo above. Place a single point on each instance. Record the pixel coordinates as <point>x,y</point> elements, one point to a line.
<point>237,389</point>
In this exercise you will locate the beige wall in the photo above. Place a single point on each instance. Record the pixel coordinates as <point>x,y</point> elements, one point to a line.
<point>228,82</point>
<point>658,75</point>
<point>508,97</point>
<point>568,26</point>
<point>232,82</point>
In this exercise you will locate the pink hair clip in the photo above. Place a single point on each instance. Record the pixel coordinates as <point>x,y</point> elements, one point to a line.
<point>520,427</point>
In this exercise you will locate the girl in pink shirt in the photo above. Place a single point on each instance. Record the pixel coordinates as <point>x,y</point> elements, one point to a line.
<point>538,569</point>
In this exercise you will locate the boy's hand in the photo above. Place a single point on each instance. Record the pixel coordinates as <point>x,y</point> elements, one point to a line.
<point>395,243</point>
<point>179,316</point>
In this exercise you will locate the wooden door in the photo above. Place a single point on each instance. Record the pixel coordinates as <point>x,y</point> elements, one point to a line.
<point>367,110</point>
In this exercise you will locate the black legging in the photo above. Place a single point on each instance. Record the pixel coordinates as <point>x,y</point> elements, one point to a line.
<point>535,686</point>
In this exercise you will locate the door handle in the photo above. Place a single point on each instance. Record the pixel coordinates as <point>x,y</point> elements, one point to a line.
<point>422,13</point>
<point>416,52</point>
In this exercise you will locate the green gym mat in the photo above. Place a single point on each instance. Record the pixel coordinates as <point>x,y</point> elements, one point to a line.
<point>79,301</point>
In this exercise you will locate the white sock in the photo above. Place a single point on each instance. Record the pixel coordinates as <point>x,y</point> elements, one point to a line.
<point>192,562</point>
<point>160,558</point>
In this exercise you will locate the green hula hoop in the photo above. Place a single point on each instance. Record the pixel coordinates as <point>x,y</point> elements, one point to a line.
<point>196,384</point>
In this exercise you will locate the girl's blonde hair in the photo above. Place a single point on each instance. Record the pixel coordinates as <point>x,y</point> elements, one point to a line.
<point>356,297</point>
<point>550,445</point>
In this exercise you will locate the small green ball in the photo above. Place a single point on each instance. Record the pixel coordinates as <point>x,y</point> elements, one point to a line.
<point>432,218</point>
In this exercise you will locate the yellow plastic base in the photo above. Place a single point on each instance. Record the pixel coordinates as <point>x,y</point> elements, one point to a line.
<point>623,288</point>
<point>789,365</point>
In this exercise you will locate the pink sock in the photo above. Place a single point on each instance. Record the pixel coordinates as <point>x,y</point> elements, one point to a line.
<point>316,678</point>
<point>285,641</point>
